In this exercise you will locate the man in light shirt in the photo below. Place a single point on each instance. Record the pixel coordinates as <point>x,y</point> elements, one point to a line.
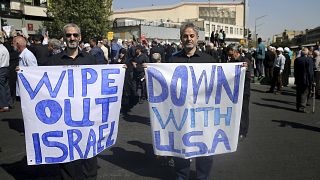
<point>105,50</point>
<point>5,97</point>
<point>27,58</point>
<point>277,71</point>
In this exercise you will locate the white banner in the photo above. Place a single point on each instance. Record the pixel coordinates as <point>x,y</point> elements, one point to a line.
<point>7,30</point>
<point>195,108</point>
<point>70,112</point>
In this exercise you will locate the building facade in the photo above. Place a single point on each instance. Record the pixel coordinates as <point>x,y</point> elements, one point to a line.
<point>129,28</point>
<point>208,16</point>
<point>29,14</point>
<point>287,35</point>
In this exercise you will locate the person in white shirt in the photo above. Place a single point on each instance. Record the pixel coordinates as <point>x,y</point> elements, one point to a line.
<point>27,58</point>
<point>5,97</point>
<point>277,71</point>
<point>102,45</point>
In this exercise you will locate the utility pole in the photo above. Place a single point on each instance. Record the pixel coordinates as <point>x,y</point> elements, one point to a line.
<point>255,27</point>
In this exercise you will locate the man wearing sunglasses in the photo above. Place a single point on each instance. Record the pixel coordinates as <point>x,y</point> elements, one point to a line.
<point>82,168</point>
<point>72,55</point>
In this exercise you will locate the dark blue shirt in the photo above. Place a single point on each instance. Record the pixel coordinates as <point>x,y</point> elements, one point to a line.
<point>98,54</point>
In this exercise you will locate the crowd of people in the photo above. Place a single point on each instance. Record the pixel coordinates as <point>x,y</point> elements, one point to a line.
<point>273,64</point>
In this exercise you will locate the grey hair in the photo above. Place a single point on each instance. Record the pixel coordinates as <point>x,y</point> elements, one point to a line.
<point>234,47</point>
<point>56,44</point>
<point>71,25</point>
<point>316,52</point>
<point>188,25</point>
<point>156,56</point>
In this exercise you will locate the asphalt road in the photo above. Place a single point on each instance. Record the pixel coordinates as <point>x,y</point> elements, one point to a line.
<point>281,145</point>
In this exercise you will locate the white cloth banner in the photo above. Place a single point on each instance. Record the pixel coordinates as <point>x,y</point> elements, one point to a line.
<point>70,112</point>
<point>195,108</point>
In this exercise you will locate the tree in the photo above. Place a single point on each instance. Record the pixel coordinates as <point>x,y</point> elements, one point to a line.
<point>90,15</point>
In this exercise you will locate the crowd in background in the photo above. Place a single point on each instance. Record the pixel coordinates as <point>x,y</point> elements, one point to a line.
<point>271,64</point>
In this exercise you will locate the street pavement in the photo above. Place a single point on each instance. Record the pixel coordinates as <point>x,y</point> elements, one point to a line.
<point>282,144</point>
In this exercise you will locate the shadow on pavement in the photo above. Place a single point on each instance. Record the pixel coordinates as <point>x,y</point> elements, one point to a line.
<point>265,81</point>
<point>138,119</point>
<point>279,101</point>
<point>143,164</point>
<point>258,90</point>
<point>274,106</point>
<point>283,92</point>
<point>288,93</point>
<point>296,125</point>
<point>15,124</point>
<point>20,170</point>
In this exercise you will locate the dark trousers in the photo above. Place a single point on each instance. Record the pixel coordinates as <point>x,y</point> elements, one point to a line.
<point>5,96</point>
<point>259,67</point>
<point>276,79</point>
<point>143,88</point>
<point>203,167</point>
<point>285,77</point>
<point>302,96</point>
<point>82,169</point>
<point>317,81</point>
<point>268,71</point>
<point>244,123</point>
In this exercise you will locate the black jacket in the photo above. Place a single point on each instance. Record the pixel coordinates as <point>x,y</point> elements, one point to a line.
<point>303,71</point>
<point>198,57</point>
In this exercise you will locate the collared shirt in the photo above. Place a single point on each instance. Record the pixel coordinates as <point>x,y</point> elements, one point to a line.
<point>98,54</point>
<point>83,58</point>
<point>105,52</point>
<point>140,59</point>
<point>280,61</point>
<point>197,57</point>
<point>27,58</point>
<point>4,56</point>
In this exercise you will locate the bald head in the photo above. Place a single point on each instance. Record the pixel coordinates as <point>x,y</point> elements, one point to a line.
<point>19,43</point>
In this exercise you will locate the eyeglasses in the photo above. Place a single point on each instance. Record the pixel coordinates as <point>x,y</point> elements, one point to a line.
<point>74,35</point>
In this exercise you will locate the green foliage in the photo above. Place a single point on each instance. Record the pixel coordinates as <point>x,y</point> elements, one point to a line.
<point>91,15</point>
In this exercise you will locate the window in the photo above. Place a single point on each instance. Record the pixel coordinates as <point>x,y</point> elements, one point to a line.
<point>241,31</point>
<point>207,28</point>
<point>42,3</point>
<point>231,30</point>
<point>218,28</point>
<point>213,27</point>
<point>226,30</point>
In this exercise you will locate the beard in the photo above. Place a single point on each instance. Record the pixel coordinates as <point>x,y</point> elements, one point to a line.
<point>189,47</point>
<point>72,44</point>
